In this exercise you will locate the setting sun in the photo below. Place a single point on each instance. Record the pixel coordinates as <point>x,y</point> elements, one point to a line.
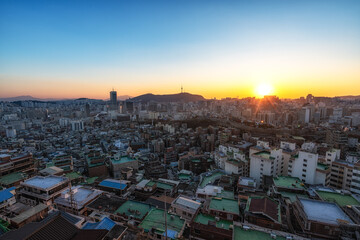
<point>263,89</point>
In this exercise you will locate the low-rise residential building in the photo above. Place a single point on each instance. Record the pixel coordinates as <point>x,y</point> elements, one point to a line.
<point>118,163</point>
<point>64,162</point>
<point>153,225</point>
<point>132,210</point>
<point>185,207</point>
<point>224,208</point>
<point>20,214</point>
<point>206,226</point>
<point>264,212</point>
<point>320,219</point>
<point>113,185</point>
<point>7,197</point>
<point>75,200</point>
<point>95,164</point>
<point>42,189</point>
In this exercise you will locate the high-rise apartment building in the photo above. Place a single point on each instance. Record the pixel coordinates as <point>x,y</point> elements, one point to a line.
<point>113,100</point>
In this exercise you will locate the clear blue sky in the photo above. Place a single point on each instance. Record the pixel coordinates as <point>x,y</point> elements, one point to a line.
<point>215,48</point>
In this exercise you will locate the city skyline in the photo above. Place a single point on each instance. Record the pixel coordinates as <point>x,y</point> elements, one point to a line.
<point>227,49</point>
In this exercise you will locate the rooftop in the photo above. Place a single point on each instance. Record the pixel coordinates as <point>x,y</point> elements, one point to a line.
<point>205,219</point>
<point>226,194</point>
<point>224,205</point>
<point>322,166</point>
<point>338,198</point>
<point>81,196</point>
<point>29,212</point>
<point>6,194</point>
<point>241,233</point>
<point>210,178</point>
<point>263,154</point>
<point>187,203</point>
<point>45,182</point>
<point>134,208</point>
<point>105,223</point>
<point>156,220</point>
<point>112,183</point>
<point>288,182</point>
<point>106,203</point>
<point>164,186</point>
<point>246,181</point>
<point>123,159</point>
<point>73,175</point>
<point>12,178</point>
<point>292,196</point>
<point>323,211</point>
<point>264,206</point>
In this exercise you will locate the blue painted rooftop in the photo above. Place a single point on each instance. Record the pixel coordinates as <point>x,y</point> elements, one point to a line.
<point>106,223</point>
<point>6,194</point>
<point>111,183</point>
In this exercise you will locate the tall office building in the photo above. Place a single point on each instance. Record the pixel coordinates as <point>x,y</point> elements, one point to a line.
<point>113,100</point>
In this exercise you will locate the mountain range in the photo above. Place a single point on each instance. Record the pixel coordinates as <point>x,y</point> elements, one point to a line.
<point>178,97</point>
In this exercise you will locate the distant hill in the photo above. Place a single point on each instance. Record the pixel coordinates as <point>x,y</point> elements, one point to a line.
<point>26,98</point>
<point>179,97</point>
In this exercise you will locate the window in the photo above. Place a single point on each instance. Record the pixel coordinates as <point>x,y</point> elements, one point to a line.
<point>304,175</point>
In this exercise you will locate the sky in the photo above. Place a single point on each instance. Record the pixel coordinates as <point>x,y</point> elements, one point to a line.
<point>71,49</point>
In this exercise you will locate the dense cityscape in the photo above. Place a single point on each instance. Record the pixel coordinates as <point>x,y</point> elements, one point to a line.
<point>179,120</point>
<point>187,168</point>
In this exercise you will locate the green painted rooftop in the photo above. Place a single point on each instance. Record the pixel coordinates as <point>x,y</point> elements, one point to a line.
<point>338,198</point>
<point>226,194</point>
<point>204,219</point>
<point>73,175</point>
<point>288,182</point>
<point>91,180</point>
<point>123,159</point>
<point>292,196</point>
<point>322,166</point>
<point>184,176</point>
<point>156,220</point>
<point>210,179</point>
<point>164,186</point>
<point>134,208</point>
<point>224,205</point>
<point>240,233</point>
<point>12,178</point>
<point>150,184</point>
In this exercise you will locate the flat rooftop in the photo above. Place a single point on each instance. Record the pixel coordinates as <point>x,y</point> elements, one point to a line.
<point>210,179</point>
<point>322,166</point>
<point>263,154</point>
<point>224,205</point>
<point>164,186</point>
<point>112,183</point>
<point>156,220</point>
<point>81,196</point>
<point>123,159</point>
<point>134,208</point>
<point>288,182</point>
<point>323,211</point>
<point>246,181</point>
<point>106,203</point>
<point>338,198</point>
<point>240,233</point>
<point>205,219</point>
<point>12,178</point>
<point>45,182</point>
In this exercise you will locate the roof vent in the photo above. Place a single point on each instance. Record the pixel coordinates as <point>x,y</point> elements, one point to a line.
<point>273,235</point>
